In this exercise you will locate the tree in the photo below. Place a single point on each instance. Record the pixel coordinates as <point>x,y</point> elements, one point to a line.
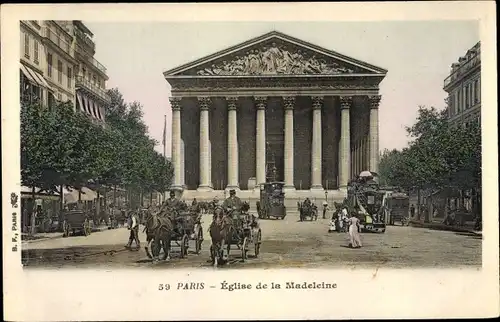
<point>439,155</point>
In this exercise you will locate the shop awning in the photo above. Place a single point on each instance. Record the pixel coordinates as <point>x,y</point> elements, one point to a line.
<point>34,77</point>
<point>89,106</point>
<point>86,195</point>
<point>79,101</point>
<point>92,108</point>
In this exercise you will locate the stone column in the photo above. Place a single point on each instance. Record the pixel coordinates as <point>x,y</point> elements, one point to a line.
<point>260,141</point>
<point>345,141</point>
<point>289,103</point>
<point>232,144</point>
<point>183,165</point>
<point>317,102</point>
<point>204,103</point>
<point>374,140</point>
<point>175,104</point>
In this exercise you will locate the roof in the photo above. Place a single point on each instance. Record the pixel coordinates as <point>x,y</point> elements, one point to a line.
<point>229,54</point>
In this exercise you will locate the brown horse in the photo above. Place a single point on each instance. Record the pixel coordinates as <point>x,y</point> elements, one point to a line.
<point>159,228</point>
<point>221,230</point>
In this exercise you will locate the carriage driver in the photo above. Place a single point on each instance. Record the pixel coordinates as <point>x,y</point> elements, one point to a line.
<point>232,202</point>
<point>172,202</point>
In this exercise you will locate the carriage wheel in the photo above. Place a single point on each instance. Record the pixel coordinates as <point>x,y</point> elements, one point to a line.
<point>198,241</point>
<point>65,229</point>
<point>257,243</point>
<point>184,245</point>
<point>244,249</point>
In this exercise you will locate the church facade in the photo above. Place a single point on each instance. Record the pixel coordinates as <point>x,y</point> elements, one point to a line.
<point>273,108</point>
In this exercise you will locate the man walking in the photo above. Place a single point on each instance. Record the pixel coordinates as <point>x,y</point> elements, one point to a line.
<point>133,226</point>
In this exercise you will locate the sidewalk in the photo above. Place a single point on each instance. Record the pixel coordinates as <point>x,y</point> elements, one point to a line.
<point>467,228</point>
<point>44,236</point>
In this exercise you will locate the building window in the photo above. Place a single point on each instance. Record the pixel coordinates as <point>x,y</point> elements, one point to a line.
<point>59,71</point>
<point>27,45</point>
<point>477,90</point>
<point>36,52</point>
<point>466,95</point>
<point>469,87</point>
<point>49,65</point>
<point>459,105</point>
<point>94,80</point>
<point>70,76</point>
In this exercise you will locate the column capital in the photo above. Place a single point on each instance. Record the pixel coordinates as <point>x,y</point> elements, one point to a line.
<point>374,101</point>
<point>345,102</point>
<point>204,102</point>
<point>317,102</point>
<point>261,102</point>
<point>175,103</point>
<point>289,102</point>
<point>231,102</point>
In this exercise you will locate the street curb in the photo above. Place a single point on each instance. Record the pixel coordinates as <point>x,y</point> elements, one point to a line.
<point>443,227</point>
<point>58,236</point>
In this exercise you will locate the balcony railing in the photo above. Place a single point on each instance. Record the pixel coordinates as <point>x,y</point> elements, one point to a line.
<point>91,60</point>
<point>472,62</point>
<point>85,38</point>
<point>98,91</point>
<point>57,40</point>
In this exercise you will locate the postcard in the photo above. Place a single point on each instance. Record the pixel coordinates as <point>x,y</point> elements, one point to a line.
<point>249,161</point>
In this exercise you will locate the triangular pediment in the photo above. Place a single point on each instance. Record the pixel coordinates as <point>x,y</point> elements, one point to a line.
<point>274,54</point>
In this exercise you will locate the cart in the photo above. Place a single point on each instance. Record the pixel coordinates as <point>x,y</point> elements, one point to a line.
<point>187,227</point>
<point>310,212</point>
<point>76,221</point>
<point>398,208</point>
<point>246,234</point>
<point>272,201</point>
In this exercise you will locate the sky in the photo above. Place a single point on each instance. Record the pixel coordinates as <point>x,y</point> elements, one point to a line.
<point>417,55</point>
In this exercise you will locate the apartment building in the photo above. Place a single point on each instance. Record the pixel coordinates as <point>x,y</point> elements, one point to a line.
<point>463,86</point>
<point>57,63</point>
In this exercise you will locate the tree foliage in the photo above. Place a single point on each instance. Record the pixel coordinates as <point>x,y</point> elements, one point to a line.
<point>62,147</point>
<point>439,155</point>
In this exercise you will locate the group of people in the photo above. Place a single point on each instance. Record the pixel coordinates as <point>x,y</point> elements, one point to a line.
<point>343,221</point>
<point>133,220</point>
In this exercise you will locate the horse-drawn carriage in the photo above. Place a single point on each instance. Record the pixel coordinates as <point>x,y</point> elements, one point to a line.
<point>307,210</point>
<point>117,218</point>
<point>178,225</point>
<point>365,198</point>
<point>76,221</point>
<point>272,201</point>
<point>232,227</point>
<point>397,206</point>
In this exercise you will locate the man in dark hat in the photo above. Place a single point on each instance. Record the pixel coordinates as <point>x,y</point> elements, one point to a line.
<point>233,202</point>
<point>172,202</point>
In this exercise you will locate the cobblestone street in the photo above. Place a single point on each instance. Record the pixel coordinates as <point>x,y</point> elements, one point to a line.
<point>286,243</point>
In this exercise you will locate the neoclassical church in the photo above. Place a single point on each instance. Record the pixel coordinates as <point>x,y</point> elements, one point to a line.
<point>273,108</point>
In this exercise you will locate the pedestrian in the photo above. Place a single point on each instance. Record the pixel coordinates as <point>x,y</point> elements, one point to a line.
<point>412,211</point>
<point>325,208</point>
<point>354,236</point>
<point>133,226</point>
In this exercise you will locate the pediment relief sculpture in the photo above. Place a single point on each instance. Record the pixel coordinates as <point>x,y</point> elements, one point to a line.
<point>274,60</point>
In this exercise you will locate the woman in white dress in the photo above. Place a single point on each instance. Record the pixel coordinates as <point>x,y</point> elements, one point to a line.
<point>354,236</point>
